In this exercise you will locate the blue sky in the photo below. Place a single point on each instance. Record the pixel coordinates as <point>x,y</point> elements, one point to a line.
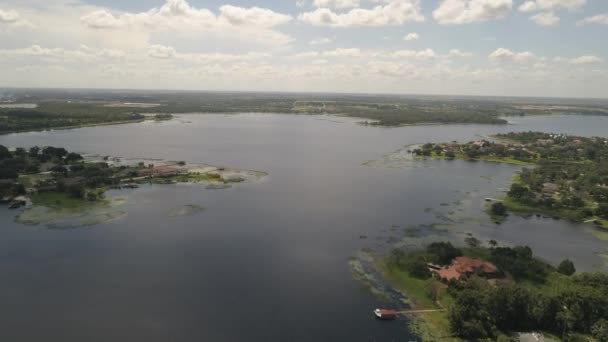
<point>472,47</point>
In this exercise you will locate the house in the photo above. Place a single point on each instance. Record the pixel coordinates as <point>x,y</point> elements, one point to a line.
<point>550,188</point>
<point>463,267</point>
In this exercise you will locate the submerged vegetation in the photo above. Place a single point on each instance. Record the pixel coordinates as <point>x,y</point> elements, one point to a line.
<point>569,179</point>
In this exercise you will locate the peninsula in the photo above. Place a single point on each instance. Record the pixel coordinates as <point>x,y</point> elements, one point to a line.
<point>567,177</point>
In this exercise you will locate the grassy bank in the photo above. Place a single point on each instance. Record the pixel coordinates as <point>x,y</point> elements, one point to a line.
<point>430,326</point>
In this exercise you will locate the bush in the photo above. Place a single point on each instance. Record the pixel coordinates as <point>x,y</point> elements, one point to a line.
<point>498,209</point>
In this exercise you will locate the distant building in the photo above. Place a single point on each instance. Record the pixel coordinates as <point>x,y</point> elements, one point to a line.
<point>463,267</point>
<point>550,188</point>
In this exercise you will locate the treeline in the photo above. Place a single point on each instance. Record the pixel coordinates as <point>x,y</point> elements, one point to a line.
<point>577,306</point>
<point>68,172</point>
<point>52,115</point>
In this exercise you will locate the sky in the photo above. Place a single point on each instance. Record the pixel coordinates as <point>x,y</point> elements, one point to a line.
<point>555,48</point>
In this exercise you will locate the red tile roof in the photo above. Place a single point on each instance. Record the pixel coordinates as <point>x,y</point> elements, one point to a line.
<point>464,266</point>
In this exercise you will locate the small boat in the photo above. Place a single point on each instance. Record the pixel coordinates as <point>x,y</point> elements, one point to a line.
<point>386,314</point>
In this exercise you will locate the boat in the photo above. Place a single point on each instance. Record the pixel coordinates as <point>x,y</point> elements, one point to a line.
<point>386,314</point>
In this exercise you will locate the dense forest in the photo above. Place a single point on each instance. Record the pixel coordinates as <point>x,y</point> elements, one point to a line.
<point>55,115</point>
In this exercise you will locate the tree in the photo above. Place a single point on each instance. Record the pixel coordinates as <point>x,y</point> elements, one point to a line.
<point>443,252</point>
<point>602,210</point>
<point>72,157</point>
<point>566,267</point>
<point>493,243</point>
<point>34,151</point>
<point>450,155</point>
<point>518,191</point>
<point>76,191</point>
<point>498,209</point>
<point>599,330</point>
<point>418,268</point>
<point>472,242</point>
<point>5,153</point>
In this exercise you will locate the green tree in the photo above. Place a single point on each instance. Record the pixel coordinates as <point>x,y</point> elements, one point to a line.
<point>599,330</point>
<point>72,157</point>
<point>443,252</point>
<point>472,242</point>
<point>602,210</point>
<point>418,268</point>
<point>5,153</point>
<point>566,267</point>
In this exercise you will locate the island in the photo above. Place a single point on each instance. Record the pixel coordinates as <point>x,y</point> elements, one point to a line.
<point>563,176</point>
<point>487,292</point>
<point>70,183</point>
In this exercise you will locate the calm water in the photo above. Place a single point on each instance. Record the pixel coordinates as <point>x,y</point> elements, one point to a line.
<point>266,261</point>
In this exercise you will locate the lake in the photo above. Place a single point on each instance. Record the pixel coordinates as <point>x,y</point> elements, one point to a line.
<point>266,261</point>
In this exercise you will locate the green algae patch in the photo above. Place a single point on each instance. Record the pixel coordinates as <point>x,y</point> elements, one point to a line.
<point>56,211</point>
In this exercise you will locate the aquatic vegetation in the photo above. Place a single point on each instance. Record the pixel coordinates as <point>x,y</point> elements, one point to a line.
<point>73,215</point>
<point>187,210</point>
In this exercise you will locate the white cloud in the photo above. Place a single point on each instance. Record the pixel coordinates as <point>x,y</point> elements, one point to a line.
<point>458,53</point>
<point>411,36</point>
<point>421,54</point>
<point>10,16</point>
<point>321,41</point>
<point>600,19</point>
<point>352,52</point>
<point>585,60</point>
<point>550,5</point>
<point>179,18</point>
<point>545,19</point>
<point>102,19</point>
<point>528,6</point>
<point>338,4</point>
<point>503,55</point>
<point>394,12</point>
<point>160,51</point>
<point>255,16</point>
<point>469,11</point>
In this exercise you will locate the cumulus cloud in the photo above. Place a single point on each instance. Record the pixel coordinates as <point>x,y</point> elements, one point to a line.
<point>585,60</point>
<point>394,12</point>
<point>102,19</point>
<point>545,19</point>
<point>458,53</point>
<point>600,19</point>
<point>411,36</point>
<point>452,12</point>
<point>338,4</point>
<point>550,5</point>
<point>528,6</point>
<point>503,55</point>
<point>10,16</point>
<point>255,16</point>
<point>160,51</point>
<point>421,54</point>
<point>248,24</point>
